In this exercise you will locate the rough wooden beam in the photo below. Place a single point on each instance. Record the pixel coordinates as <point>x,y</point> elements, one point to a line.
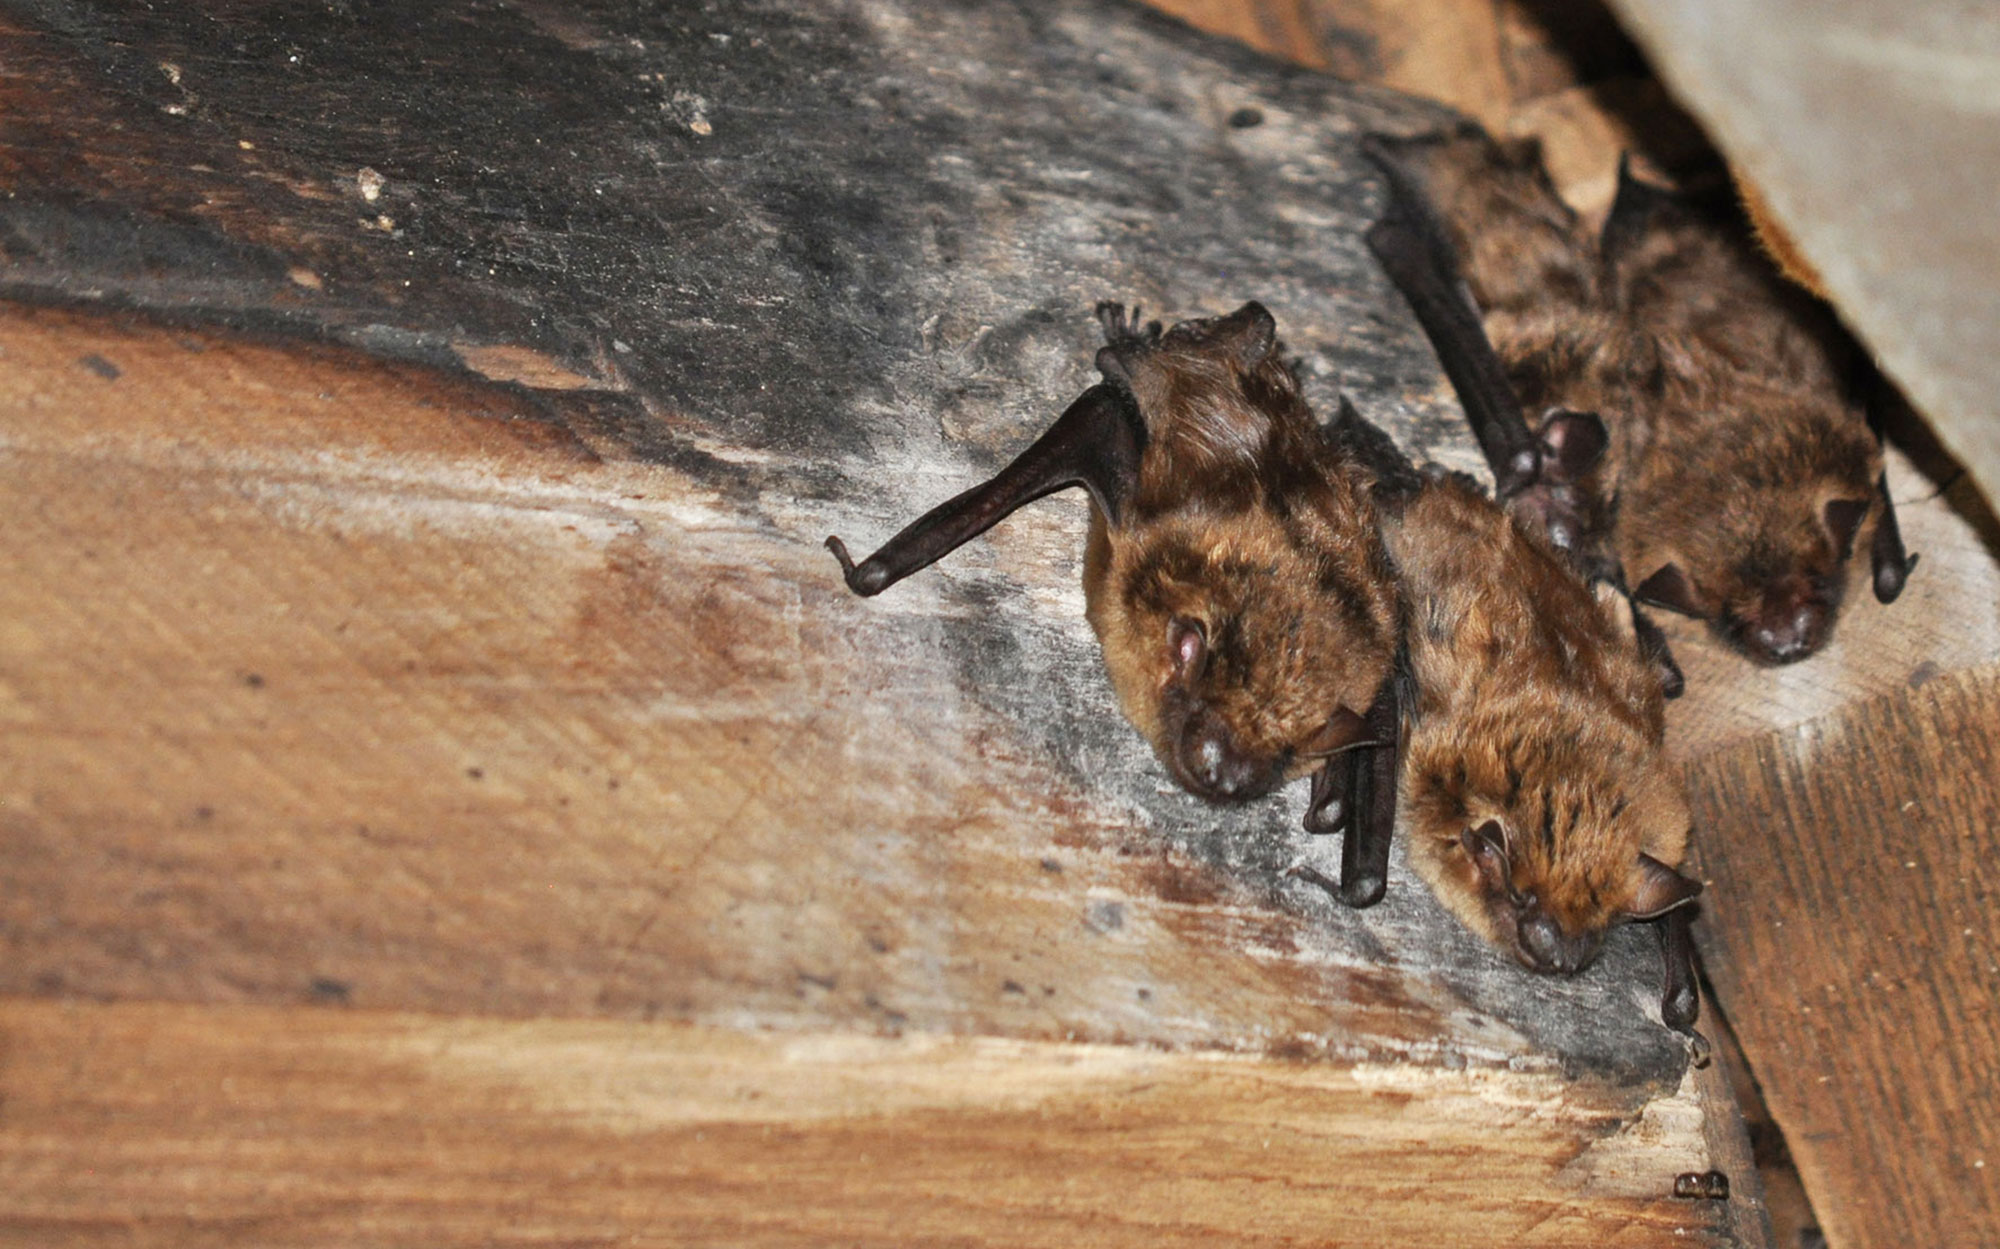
<point>188,1126</point>
<point>1851,929</point>
<point>507,677</point>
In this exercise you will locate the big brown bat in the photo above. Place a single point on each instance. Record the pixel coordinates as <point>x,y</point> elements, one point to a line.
<point>1658,399</point>
<point>1235,575</point>
<point>1540,807</point>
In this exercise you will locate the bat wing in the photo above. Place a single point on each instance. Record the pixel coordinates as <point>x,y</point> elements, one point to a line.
<point>1411,245</point>
<point>1096,443</point>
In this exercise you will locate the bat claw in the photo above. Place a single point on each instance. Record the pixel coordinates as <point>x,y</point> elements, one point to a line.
<point>865,579</point>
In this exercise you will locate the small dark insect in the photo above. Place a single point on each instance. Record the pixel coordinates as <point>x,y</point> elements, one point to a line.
<point>1663,404</point>
<point>1235,576</point>
<point>1702,1185</point>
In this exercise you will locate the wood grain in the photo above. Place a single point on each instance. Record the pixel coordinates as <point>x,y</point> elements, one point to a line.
<point>331,683</point>
<point>1850,927</point>
<point>191,1126</point>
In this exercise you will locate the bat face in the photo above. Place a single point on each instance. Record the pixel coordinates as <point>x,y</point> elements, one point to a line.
<point>1541,810</point>
<point>1544,871</point>
<point>1235,575</point>
<point>1766,562</point>
<point>1225,652</point>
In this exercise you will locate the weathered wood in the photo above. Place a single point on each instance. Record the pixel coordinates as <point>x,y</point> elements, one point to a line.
<point>1850,926</point>
<point>337,681</point>
<point>1868,129</point>
<point>333,683</point>
<point>191,1126</point>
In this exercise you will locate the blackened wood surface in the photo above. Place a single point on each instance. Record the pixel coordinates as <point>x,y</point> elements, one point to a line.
<point>827,264</point>
<point>1851,927</point>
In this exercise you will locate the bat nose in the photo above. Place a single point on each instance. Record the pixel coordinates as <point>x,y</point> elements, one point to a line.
<point>1549,949</point>
<point>1788,636</point>
<point>1214,766</point>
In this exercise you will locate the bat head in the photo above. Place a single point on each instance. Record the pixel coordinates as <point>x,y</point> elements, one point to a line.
<point>1754,531</point>
<point>1554,921</point>
<point>1227,655</point>
<point>1243,599</point>
<point>1544,871</point>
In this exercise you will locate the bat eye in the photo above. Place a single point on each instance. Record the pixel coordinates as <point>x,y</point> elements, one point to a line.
<point>1487,845</point>
<point>1187,645</point>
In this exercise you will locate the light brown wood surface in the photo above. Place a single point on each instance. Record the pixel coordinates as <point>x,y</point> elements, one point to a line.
<point>337,690</point>
<point>1853,933</point>
<point>158,1124</point>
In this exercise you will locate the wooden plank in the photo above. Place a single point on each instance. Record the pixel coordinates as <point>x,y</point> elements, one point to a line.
<point>1850,932</point>
<point>336,682</point>
<point>1868,129</point>
<point>190,1126</point>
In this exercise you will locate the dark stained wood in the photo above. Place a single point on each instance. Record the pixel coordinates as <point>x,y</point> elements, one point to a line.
<point>420,608</point>
<point>1851,929</point>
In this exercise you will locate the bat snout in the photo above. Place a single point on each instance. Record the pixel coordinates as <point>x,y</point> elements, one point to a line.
<point>1545,947</point>
<point>1787,628</point>
<point>1211,764</point>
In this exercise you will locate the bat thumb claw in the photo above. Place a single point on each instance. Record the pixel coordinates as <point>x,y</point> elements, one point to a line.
<point>866,579</point>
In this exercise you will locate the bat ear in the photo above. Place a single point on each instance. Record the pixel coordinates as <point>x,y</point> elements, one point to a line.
<point>1096,443</point>
<point>1187,645</point>
<point>1342,729</point>
<point>1632,211</point>
<point>1249,334</point>
<point>1670,588</point>
<point>1572,443</point>
<point>1843,521</point>
<point>1661,889</point>
<point>1487,845</point>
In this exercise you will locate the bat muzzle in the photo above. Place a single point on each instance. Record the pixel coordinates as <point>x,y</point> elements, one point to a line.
<point>1545,947</point>
<point>1210,763</point>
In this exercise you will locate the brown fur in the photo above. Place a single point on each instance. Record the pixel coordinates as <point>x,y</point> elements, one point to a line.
<point>1725,390</point>
<point>1251,523</point>
<point>1535,709</point>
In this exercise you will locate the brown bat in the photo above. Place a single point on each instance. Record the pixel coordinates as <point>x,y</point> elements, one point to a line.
<point>1658,399</point>
<point>1541,810</point>
<point>1235,576</point>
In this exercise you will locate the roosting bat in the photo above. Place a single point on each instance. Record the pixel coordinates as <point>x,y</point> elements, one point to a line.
<point>1540,808</point>
<point>1235,576</point>
<point>1696,425</point>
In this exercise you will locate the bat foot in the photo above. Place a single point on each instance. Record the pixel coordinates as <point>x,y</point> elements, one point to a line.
<point>865,579</point>
<point>1363,890</point>
<point>1699,1051</point>
<point>1891,576</point>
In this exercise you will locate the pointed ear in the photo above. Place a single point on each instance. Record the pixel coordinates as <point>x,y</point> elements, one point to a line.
<point>1632,211</point>
<point>1342,729</point>
<point>1670,588</point>
<point>1661,889</point>
<point>1249,333</point>
<point>1843,520</point>
<point>1572,444</point>
<point>1616,608</point>
<point>1096,443</point>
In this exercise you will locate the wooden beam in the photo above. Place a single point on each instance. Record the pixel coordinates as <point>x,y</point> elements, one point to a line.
<point>183,1126</point>
<point>1850,930</point>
